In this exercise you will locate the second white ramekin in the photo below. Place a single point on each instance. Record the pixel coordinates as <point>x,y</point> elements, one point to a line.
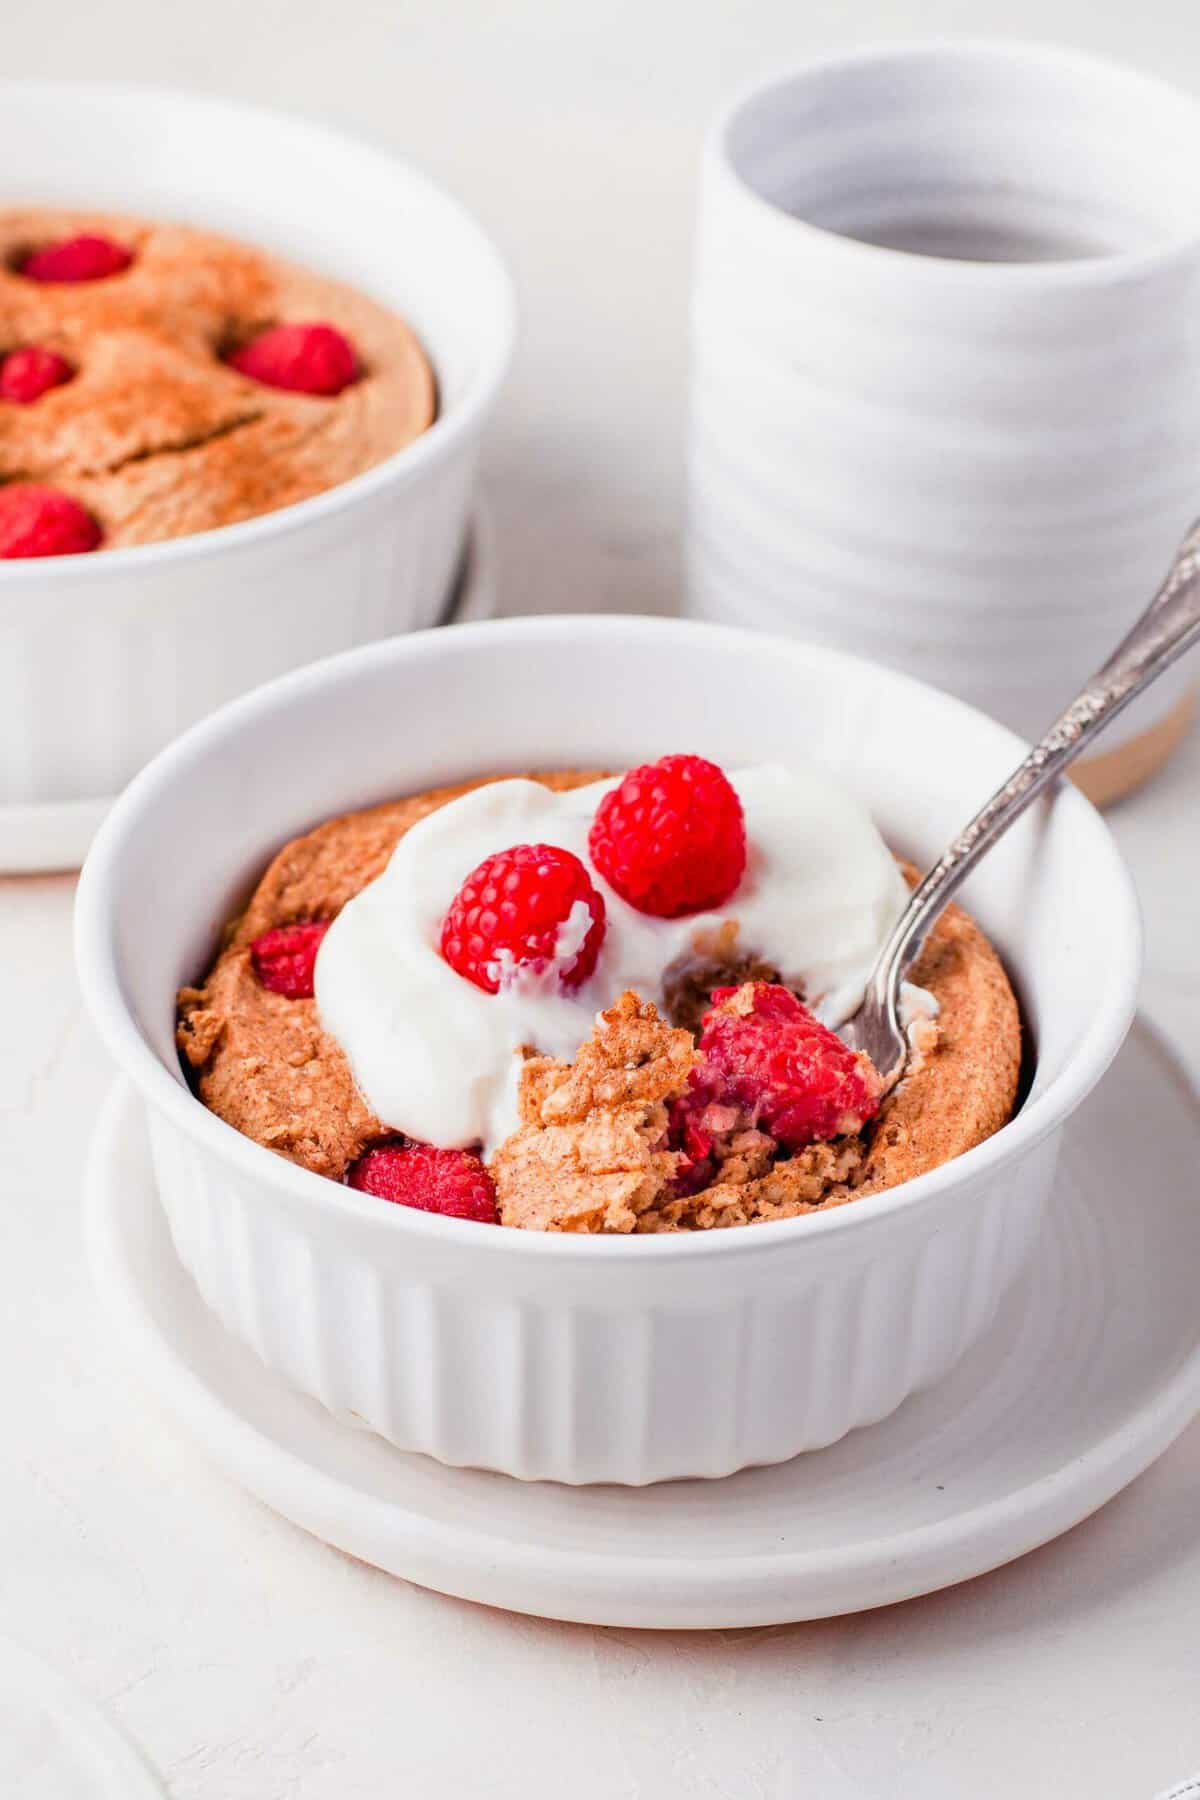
<point>596,1359</point>
<point>105,657</point>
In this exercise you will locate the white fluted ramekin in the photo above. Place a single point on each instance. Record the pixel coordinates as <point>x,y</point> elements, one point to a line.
<point>596,1359</point>
<point>105,657</point>
<point>979,469</point>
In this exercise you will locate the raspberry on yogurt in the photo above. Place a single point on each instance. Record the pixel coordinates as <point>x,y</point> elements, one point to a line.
<point>435,1040</point>
<point>671,837</point>
<point>522,910</point>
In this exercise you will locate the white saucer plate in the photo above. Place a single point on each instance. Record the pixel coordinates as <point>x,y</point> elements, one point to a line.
<point>56,1744</point>
<point>1090,1372</point>
<point>50,836</point>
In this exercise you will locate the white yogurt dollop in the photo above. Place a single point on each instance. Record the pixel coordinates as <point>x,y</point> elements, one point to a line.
<point>438,1058</point>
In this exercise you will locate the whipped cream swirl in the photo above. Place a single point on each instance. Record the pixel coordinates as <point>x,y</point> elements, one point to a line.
<point>438,1058</point>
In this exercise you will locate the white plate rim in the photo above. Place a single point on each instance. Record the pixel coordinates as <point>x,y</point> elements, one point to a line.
<point>473,1565</point>
<point>101,1750</point>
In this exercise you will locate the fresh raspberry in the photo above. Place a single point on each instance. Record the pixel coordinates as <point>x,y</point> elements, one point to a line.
<point>83,258</point>
<point>43,521</point>
<point>309,359</point>
<point>285,959</point>
<point>697,1126</point>
<point>766,1055</point>
<point>28,373</point>
<point>452,1182</point>
<point>671,838</point>
<point>508,914</point>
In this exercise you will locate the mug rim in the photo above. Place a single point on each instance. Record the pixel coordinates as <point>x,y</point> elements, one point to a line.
<point>1083,271</point>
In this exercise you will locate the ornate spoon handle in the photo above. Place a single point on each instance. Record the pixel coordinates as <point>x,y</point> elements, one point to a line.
<point>1169,626</point>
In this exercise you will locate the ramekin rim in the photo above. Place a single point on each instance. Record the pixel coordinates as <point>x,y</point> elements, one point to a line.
<point>165,1093</point>
<point>402,466</point>
<point>1059,272</point>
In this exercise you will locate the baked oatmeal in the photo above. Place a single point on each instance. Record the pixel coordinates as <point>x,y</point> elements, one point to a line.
<point>619,1018</point>
<point>158,380</point>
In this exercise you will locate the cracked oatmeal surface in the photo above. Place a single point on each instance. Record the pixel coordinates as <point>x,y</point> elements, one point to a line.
<point>590,1154</point>
<point>155,434</point>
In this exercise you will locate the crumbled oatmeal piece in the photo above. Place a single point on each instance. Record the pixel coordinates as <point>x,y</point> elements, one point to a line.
<point>632,1055</point>
<point>600,1173</point>
<point>820,1175</point>
<point>591,1153</point>
<point>923,1036</point>
<point>199,1026</point>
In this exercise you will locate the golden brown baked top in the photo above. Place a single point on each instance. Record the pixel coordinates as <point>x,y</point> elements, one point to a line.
<point>590,1153</point>
<point>155,433</point>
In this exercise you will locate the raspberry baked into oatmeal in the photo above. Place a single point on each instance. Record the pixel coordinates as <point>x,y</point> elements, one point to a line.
<point>158,380</point>
<point>583,1002</point>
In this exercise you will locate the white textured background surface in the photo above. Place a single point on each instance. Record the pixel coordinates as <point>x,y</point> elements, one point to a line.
<point>252,1662</point>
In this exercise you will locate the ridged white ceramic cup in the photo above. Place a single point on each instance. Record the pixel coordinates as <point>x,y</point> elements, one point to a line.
<point>105,657</point>
<point>975,470</point>
<point>589,1359</point>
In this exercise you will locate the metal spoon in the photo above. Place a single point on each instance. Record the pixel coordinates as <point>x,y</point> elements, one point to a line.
<point>1169,626</point>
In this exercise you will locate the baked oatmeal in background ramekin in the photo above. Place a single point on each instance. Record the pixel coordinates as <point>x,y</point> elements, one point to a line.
<point>167,381</point>
<point>598,1358</point>
<point>160,633</point>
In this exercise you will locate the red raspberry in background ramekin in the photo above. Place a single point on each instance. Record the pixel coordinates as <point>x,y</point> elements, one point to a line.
<point>43,521</point>
<point>305,359</point>
<point>31,371</point>
<point>88,257</point>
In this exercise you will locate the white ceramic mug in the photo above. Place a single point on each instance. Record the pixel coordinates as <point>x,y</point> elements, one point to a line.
<point>946,369</point>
